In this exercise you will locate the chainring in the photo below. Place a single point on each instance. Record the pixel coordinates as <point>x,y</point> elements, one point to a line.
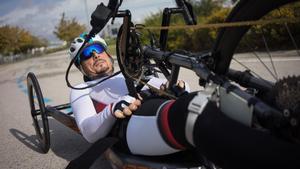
<point>287,99</point>
<point>129,53</point>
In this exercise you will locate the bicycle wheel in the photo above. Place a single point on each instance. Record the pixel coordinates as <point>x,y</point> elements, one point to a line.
<point>38,112</point>
<point>278,73</point>
<point>229,38</point>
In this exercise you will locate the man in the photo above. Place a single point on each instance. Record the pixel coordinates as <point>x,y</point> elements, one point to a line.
<point>158,126</point>
<point>96,109</point>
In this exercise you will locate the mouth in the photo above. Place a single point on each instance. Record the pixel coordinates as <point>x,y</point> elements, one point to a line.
<point>98,62</point>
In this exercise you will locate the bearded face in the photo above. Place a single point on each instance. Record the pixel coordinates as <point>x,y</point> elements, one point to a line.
<point>98,65</point>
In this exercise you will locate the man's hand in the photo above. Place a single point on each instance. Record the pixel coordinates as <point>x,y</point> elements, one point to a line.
<point>125,106</point>
<point>178,89</point>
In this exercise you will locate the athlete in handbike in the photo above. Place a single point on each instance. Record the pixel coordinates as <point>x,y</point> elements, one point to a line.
<point>160,126</point>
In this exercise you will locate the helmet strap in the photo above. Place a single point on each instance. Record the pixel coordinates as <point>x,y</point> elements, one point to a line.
<point>82,71</point>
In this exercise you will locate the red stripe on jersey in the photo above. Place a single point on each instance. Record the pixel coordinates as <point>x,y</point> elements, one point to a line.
<point>99,106</point>
<point>166,128</point>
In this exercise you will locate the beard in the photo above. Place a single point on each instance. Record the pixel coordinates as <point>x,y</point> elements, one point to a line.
<point>101,68</point>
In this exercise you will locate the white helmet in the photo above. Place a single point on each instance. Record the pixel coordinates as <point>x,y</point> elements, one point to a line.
<point>78,42</point>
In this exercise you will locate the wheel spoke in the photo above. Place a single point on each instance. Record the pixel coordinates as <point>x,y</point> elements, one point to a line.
<point>290,34</point>
<point>247,68</point>
<point>261,61</point>
<point>269,54</point>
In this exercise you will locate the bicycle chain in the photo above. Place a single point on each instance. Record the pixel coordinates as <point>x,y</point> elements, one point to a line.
<point>220,25</point>
<point>153,88</point>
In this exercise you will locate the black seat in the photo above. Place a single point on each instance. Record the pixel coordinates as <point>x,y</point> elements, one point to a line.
<point>183,159</point>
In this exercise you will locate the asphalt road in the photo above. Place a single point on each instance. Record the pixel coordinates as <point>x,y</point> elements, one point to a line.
<point>18,146</point>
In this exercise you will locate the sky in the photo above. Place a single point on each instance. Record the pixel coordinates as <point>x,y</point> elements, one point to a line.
<point>41,16</point>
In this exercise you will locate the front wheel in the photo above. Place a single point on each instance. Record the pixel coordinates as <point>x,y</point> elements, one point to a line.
<point>38,112</point>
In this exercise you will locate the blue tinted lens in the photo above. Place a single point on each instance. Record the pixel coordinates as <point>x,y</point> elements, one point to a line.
<point>88,51</point>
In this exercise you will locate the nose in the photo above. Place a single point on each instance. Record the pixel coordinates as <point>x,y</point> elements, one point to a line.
<point>95,55</point>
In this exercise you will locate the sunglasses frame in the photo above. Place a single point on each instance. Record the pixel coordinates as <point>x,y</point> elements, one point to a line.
<point>82,57</point>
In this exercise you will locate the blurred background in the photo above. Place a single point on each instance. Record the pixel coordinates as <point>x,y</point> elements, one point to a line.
<point>35,35</point>
<point>33,27</point>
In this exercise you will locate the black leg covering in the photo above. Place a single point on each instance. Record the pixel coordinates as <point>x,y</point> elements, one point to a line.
<point>177,118</point>
<point>177,115</point>
<point>234,146</point>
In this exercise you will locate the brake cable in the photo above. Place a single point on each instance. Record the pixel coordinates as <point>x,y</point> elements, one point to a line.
<point>153,88</point>
<point>88,37</point>
<point>99,18</point>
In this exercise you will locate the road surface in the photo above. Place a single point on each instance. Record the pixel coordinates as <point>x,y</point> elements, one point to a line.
<point>18,146</point>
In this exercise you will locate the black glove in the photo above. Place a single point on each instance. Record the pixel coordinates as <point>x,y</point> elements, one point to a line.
<point>124,106</point>
<point>177,89</point>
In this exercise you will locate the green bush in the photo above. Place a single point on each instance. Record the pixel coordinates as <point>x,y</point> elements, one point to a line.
<point>276,35</point>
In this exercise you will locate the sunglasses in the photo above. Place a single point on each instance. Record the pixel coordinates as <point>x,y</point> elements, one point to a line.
<point>88,51</point>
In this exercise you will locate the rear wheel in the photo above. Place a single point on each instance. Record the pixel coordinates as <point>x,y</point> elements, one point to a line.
<point>267,52</point>
<point>229,38</point>
<point>38,112</point>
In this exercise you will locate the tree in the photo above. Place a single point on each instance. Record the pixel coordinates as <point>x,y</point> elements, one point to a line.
<point>18,40</point>
<point>206,7</point>
<point>206,11</point>
<point>67,30</point>
<point>215,11</point>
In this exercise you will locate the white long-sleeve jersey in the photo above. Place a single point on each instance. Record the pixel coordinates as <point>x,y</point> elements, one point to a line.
<point>94,118</point>
<point>92,109</point>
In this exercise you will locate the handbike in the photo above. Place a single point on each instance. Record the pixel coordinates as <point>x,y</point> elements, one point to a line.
<point>221,83</point>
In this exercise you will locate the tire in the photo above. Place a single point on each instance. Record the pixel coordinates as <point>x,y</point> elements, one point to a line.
<point>228,38</point>
<point>38,113</point>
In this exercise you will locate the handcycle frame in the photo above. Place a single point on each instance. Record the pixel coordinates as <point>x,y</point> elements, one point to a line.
<point>199,63</point>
